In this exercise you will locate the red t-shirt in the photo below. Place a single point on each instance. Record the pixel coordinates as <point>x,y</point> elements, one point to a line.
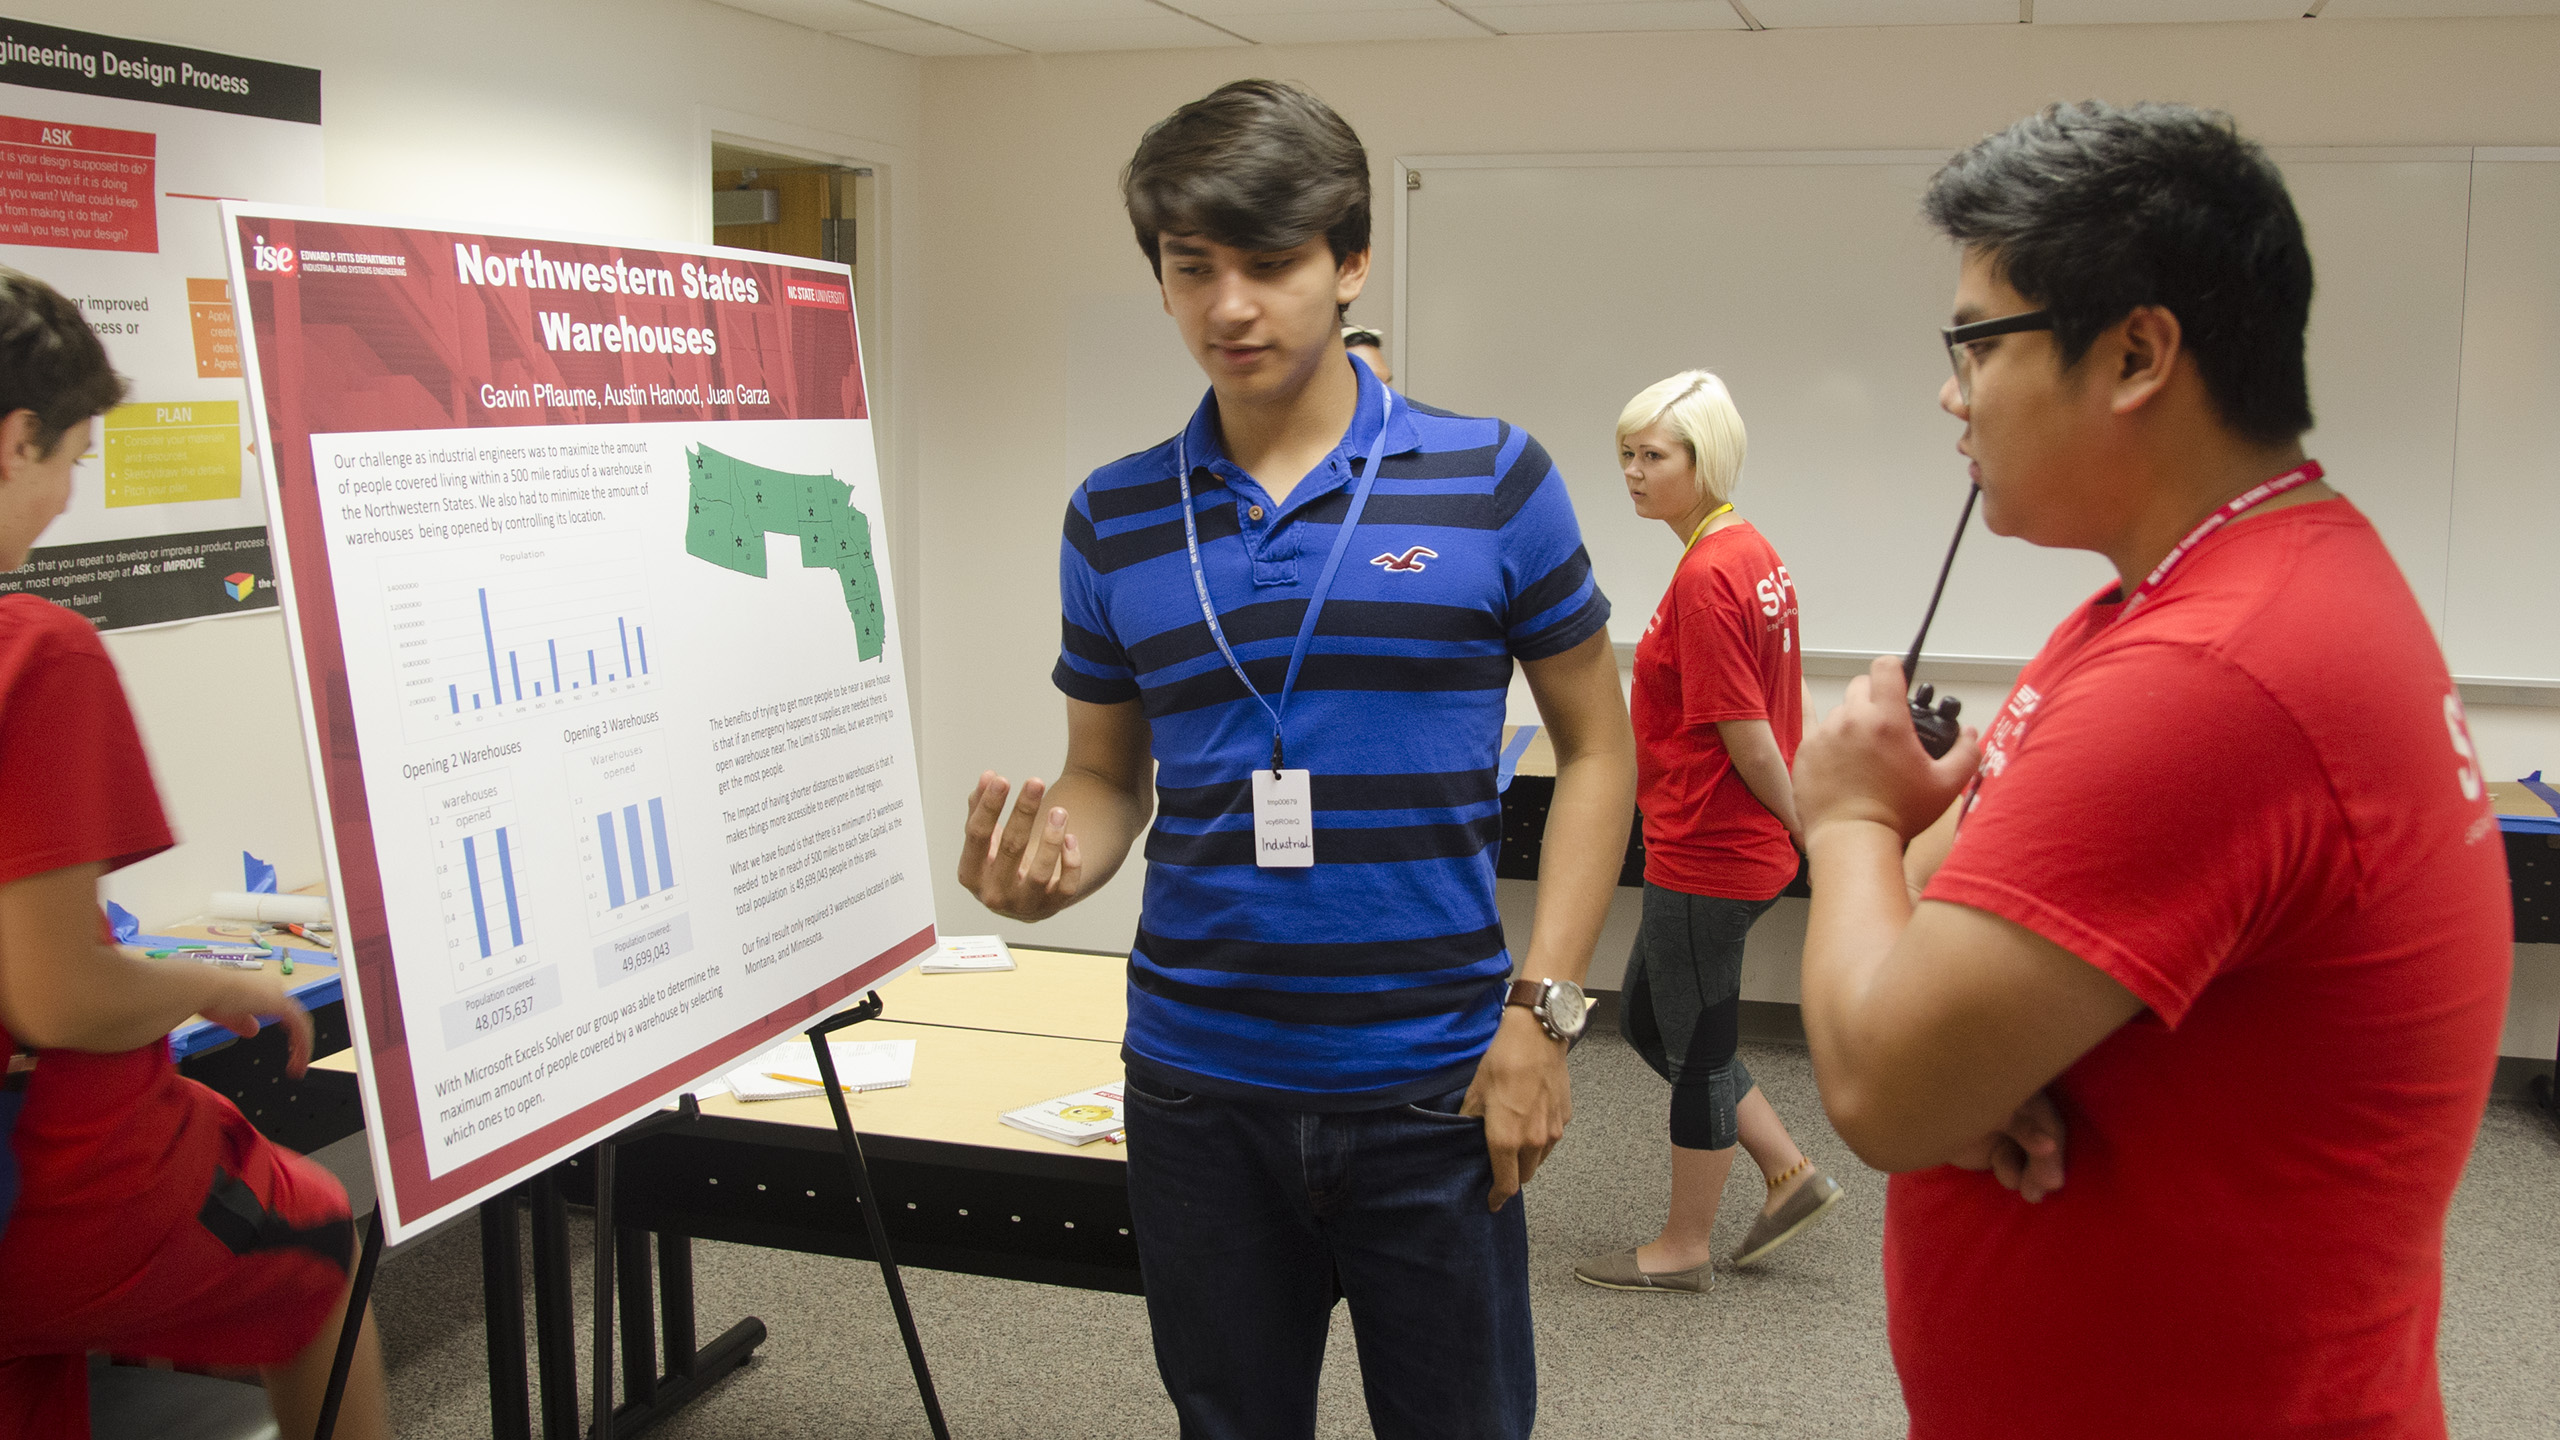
<point>1721,646</point>
<point>75,789</point>
<point>2253,803</point>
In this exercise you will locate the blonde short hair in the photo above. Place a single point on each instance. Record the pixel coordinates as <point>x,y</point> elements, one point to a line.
<point>1697,407</point>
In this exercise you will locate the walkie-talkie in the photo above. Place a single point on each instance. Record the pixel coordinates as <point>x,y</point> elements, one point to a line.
<point>1936,721</point>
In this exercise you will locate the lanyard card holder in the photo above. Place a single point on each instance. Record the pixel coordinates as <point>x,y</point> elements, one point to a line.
<point>1284,819</point>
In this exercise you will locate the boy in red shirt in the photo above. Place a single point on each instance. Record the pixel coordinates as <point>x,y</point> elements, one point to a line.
<point>2215,923</point>
<point>139,1212</point>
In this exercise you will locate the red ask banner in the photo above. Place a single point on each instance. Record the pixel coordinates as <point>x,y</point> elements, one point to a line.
<point>77,187</point>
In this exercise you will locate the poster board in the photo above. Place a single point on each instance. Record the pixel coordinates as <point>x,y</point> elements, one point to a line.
<point>114,154</point>
<point>598,666</point>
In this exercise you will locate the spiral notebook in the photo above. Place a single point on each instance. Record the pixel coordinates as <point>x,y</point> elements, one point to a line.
<point>789,1071</point>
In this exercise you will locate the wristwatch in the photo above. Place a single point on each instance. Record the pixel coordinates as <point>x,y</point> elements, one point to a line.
<point>1558,1004</point>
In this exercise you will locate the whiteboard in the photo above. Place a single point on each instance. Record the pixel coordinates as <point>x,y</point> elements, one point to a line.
<point>1550,289</point>
<point>2503,597</point>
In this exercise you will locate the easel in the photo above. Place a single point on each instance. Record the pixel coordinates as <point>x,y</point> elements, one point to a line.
<point>651,1397</point>
<point>869,1009</point>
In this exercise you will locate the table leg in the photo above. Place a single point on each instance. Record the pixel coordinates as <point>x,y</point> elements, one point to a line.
<point>502,1296</point>
<point>555,1330</point>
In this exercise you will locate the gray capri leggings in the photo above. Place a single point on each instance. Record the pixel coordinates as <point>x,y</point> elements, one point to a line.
<point>1683,1008</point>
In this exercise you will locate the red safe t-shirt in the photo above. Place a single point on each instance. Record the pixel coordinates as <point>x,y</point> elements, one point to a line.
<point>1721,646</point>
<point>76,789</point>
<point>2255,804</point>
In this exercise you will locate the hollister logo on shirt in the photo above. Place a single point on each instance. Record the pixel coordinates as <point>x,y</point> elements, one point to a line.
<point>1410,560</point>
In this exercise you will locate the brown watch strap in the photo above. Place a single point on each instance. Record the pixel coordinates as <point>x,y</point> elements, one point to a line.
<point>1526,992</point>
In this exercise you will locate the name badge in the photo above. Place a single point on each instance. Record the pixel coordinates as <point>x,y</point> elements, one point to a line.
<point>1284,820</point>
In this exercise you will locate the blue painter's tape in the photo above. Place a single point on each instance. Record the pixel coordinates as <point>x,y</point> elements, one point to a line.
<point>1518,747</point>
<point>2542,792</point>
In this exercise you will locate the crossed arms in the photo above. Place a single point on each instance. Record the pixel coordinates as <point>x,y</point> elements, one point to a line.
<point>1935,1028</point>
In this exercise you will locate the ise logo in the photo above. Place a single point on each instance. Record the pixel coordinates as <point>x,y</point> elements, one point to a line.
<point>276,259</point>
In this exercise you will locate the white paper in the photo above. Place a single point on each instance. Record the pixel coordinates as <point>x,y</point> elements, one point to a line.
<point>789,1069</point>
<point>961,954</point>
<point>1076,1119</point>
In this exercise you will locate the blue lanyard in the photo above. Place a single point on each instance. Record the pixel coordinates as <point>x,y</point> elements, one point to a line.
<point>1324,584</point>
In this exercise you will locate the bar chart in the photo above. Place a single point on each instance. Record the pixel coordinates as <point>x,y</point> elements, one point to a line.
<point>482,878</point>
<point>626,833</point>
<point>473,649</point>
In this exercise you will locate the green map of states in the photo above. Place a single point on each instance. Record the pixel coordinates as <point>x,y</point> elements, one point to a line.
<point>734,504</point>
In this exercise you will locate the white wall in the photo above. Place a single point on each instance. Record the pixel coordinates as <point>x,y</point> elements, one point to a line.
<point>1047,353</point>
<point>590,114</point>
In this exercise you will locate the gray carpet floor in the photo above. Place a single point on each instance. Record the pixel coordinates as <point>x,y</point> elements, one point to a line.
<point>1794,1347</point>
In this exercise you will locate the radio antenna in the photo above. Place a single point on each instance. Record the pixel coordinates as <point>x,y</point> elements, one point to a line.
<point>1911,662</point>
<point>1933,717</point>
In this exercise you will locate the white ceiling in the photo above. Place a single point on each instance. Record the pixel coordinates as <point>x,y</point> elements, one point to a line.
<point>1005,27</point>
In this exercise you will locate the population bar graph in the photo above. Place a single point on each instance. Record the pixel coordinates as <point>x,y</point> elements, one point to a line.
<point>510,687</point>
<point>627,852</point>
<point>480,643</point>
<point>487,875</point>
<point>512,933</point>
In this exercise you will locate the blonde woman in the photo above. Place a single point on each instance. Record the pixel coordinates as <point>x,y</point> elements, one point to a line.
<point>1719,704</point>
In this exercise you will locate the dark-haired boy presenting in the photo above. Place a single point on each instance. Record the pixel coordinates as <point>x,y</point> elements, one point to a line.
<point>2225,906</point>
<point>1304,611</point>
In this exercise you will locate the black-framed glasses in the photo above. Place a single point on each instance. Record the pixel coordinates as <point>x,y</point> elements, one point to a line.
<point>1960,341</point>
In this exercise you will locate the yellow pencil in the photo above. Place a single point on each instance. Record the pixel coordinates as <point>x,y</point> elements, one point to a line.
<point>804,1080</point>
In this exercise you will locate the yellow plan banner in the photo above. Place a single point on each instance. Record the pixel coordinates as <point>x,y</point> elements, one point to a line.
<point>157,454</point>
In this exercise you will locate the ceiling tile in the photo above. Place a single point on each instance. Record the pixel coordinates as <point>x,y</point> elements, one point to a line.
<point>2434,9</point>
<point>2131,12</point>
<point>1791,14</point>
<point>868,18</point>
<point>976,15</point>
<point>1219,10</point>
<point>1164,30</point>
<point>932,40</point>
<point>1339,27</point>
<point>833,16</point>
<point>1600,16</point>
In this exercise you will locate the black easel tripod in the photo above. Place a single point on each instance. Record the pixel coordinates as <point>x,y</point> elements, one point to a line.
<point>869,1009</point>
<point>607,1239</point>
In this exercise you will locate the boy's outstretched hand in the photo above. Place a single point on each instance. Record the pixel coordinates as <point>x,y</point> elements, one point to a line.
<point>1029,869</point>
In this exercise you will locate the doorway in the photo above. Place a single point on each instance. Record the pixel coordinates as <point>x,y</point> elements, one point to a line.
<point>817,209</point>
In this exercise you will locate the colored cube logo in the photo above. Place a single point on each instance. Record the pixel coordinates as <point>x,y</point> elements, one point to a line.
<point>240,586</point>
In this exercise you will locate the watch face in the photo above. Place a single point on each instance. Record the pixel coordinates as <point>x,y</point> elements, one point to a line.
<point>1566,1008</point>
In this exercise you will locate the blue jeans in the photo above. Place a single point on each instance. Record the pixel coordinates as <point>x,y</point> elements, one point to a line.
<point>1251,1221</point>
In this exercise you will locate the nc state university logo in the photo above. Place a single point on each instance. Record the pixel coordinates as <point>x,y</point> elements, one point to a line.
<point>1410,560</point>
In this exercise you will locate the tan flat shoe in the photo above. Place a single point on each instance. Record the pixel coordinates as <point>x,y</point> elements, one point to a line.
<point>1619,1271</point>
<point>1811,1201</point>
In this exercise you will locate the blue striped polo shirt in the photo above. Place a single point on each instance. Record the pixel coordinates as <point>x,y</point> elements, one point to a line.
<point>1375,976</point>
